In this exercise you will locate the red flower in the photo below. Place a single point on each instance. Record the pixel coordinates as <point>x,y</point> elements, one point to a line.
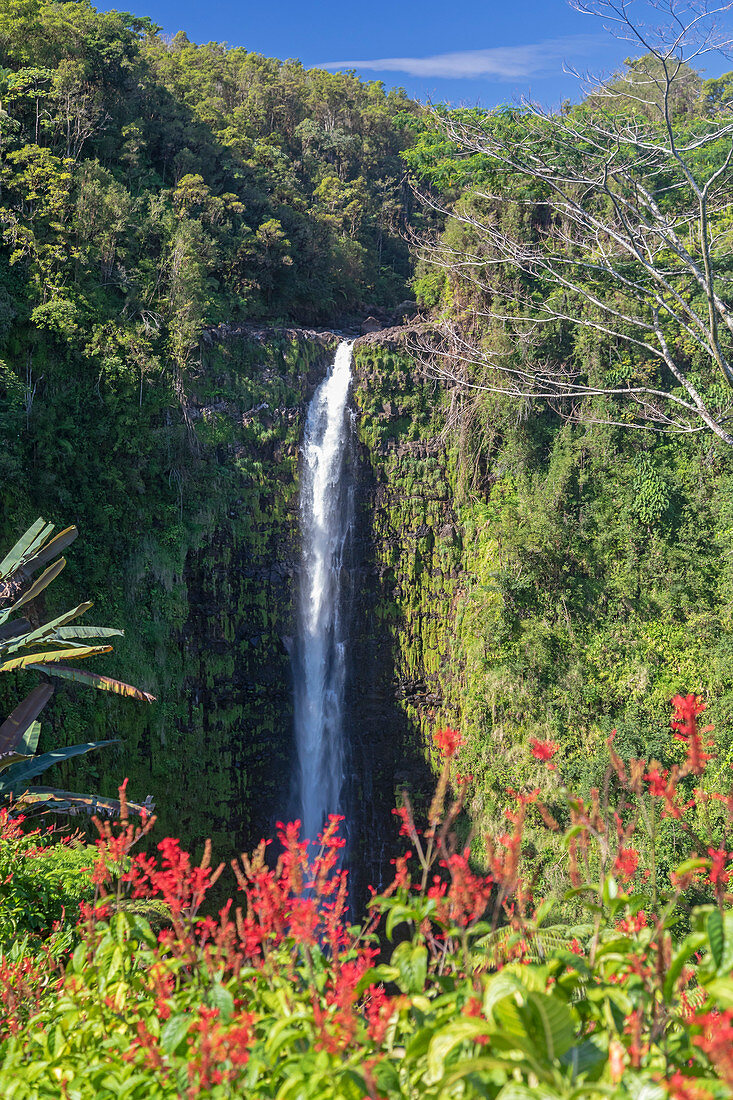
<point>626,863</point>
<point>717,1041</point>
<point>448,742</point>
<point>685,1088</point>
<point>544,751</point>
<point>684,720</point>
<point>719,858</point>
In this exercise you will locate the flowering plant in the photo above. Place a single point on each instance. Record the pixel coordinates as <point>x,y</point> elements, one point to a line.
<point>456,984</point>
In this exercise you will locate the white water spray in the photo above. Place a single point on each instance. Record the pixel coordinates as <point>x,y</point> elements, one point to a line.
<point>326,514</point>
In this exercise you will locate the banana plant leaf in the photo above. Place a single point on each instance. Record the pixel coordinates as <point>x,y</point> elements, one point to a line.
<point>15,725</point>
<point>43,581</point>
<point>69,802</point>
<point>104,683</point>
<point>45,631</point>
<point>9,631</point>
<point>55,546</point>
<point>67,633</point>
<point>7,759</point>
<point>29,744</point>
<point>18,774</point>
<point>36,660</point>
<point>15,556</point>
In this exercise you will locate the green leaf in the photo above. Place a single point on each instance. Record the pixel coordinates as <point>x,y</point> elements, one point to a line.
<point>377,975</point>
<point>222,999</point>
<point>29,744</point>
<point>447,1038</point>
<point>19,773</point>
<point>716,936</point>
<point>51,549</point>
<point>515,1091</point>
<point>686,949</point>
<point>14,557</point>
<point>43,581</point>
<point>20,720</point>
<point>104,683</point>
<point>351,1086</point>
<point>70,632</point>
<point>412,963</point>
<point>45,631</point>
<point>499,986</point>
<point>38,661</point>
<point>584,1056</point>
<point>174,1033</point>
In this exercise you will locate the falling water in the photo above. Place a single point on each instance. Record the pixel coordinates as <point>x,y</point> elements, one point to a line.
<point>326,514</point>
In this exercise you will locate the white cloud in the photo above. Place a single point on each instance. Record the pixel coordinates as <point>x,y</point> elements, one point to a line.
<point>497,63</point>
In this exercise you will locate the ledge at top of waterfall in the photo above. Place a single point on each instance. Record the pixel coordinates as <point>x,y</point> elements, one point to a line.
<point>320,651</point>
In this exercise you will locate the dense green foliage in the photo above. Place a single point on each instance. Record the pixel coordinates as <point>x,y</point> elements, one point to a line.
<point>150,190</point>
<point>593,579</point>
<point>485,994</point>
<point>24,648</point>
<point>43,880</point>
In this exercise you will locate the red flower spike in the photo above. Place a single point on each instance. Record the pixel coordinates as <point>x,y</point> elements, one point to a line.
<point>544,751</point>
<point>448,741</point>
<point>684,721</point>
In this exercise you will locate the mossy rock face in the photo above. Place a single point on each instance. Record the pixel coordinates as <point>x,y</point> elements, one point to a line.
<point>189,542</point>
<point>403,628</point>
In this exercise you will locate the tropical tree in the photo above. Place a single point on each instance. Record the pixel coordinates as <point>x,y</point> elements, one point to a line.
<point>593,246</point>
<point>46,649</point>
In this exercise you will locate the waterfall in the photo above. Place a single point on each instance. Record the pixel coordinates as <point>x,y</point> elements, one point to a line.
<point>326,519</point>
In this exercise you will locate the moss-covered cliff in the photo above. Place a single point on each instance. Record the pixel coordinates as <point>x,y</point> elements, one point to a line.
<point>573,588</point>
<point>580,579</point>
<point>186,497</point>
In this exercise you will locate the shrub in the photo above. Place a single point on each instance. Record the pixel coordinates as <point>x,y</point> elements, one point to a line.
<point>480,997</point>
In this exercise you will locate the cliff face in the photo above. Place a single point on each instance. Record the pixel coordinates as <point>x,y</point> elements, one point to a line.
<point>198,564</point>
<point>554,602</point>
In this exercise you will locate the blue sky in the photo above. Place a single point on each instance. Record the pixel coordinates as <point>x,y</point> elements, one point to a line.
<point>468,52</point>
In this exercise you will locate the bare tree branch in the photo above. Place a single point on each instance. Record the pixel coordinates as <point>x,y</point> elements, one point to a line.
<point>625,234</point>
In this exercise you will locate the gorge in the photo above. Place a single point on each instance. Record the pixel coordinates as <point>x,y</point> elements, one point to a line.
<point>170,302</point>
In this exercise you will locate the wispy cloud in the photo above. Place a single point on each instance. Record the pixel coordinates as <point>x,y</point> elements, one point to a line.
<point>498,63</point>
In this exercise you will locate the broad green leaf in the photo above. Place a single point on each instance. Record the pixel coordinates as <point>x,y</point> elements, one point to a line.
<point>104,683</point>
<point>412,962</point>
<point>720,992</point>
<point>584,1056</point>
<point>19,721</point>
<point>351,1086</point>
<point>71,632</point>
<point>19,773</point>
<point>499,986</point>
<point>36,660</point>
<point>174,1032</point>
<point>43,581</point>
<point>14,557</point>
<point>690,944</point>
<point>515,1091</point>
<point>47,629</point>
<point>447,1038</point>
<point>51,549</point>
<point>376,975</point>
<point>222,999</point>
<point>29,744</point>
